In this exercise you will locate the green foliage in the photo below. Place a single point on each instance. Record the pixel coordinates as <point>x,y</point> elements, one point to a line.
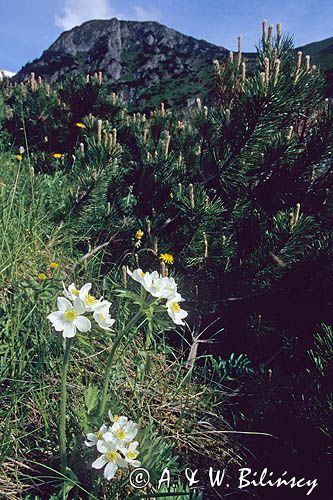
<point>321,354</point>
<point>157,454</point>
<point>230,369</point>
<point>322,357</point>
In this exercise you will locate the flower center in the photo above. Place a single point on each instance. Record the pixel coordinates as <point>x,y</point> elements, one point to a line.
<point>90,300</point>
<point>75,292</point>
<point>120,434</point>
<point>132,455</point>
<point>111,456</point>
<point>116,418</point>
<point>99,435</point>
<point>142,274</point>
<point>101,315</point>
<point>175,307</point>
<point>70,315</point>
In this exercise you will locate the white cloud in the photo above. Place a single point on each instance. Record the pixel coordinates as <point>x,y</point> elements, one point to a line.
<point>77,12</point>
<point>146,13</point>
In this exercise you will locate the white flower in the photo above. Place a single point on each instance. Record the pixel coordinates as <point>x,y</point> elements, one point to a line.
<point>68,319</point>
<point>145,279</point>
<point>72,292</point>
<point>176,313</point>
<point>124,431</point>
<point>163,288</point>
<point>131,453</point>
<point>102,316</point>
<point>116,418</point>
<point>90,302</point>
<point>170,287</point>
<point>110,457</point>
<point>93,438</point>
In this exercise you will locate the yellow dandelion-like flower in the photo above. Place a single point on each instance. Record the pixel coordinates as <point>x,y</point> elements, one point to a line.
<point>80,125</point>
<point>54,265</point>
<point>139,234</point>
<point>42,277</point>
<point>19,157</point>
<point>167,258</point>
<point>57,155</point>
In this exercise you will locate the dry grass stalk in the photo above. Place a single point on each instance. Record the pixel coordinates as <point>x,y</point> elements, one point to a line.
<point>155,244</point>
<point>124,275</point>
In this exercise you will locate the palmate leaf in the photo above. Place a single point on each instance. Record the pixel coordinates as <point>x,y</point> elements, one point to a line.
<point>156,454</point>
<point>134,297</point>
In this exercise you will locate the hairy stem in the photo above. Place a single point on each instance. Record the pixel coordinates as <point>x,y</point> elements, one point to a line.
<point>130,324</point>
<point>63,397</point>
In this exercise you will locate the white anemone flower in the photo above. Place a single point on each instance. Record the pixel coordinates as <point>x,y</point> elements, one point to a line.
<point>116,418</point>
<point>131,453</point>
<point>169,287</point>
<point>158,286</point>
<point>124,431</point>
<point>103,318</point>
<point>71,292</point>
<point>110,457</point>
<point>176,313</point>
<point>94,437</point>
<point>145,279</point>
<point>68,318</point>
<point>163,288</point>
<point>90,302</point>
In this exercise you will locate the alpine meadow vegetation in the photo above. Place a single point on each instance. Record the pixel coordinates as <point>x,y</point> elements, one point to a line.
<point>166,281</point>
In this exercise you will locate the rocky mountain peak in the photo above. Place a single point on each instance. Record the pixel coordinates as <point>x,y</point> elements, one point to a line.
<point>141,59</point>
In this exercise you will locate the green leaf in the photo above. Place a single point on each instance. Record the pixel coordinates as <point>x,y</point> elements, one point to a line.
<point>91,397</point>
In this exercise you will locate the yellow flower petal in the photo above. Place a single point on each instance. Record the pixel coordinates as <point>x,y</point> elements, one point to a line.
<point>167,258</point>
<point>139,234</point>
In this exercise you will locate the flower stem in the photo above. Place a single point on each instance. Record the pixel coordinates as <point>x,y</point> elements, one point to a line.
<point>130,324</point>
<point>63,397</point>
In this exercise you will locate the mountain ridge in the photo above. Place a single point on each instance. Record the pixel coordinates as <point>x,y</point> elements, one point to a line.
<point>145,61</point>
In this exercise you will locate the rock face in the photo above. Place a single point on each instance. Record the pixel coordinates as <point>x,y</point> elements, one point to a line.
<point>143,60</point>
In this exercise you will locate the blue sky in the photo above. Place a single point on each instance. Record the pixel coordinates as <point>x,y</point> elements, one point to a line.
<point>27,27</point>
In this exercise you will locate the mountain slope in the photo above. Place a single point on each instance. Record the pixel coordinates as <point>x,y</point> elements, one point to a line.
<point>146,61</point>
<point>322,55</point>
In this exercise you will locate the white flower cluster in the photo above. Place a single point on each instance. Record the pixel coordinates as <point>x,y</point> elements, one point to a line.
<point>116,445</point>
<point>71,309</point>
<point>162,288</point>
